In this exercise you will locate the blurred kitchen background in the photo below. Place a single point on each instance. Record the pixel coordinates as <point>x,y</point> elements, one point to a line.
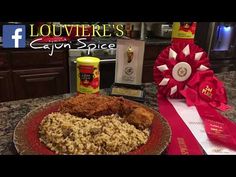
<point>27,73</point>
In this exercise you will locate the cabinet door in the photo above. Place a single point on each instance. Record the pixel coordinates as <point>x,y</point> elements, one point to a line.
<point>4,61</point>
<point>40,82</point>
<point>148,71</point>
<point>151,53</point>
<point>6,91</point>
<point>29,58</point>
<point>107,74</point>
<point>153,50</point>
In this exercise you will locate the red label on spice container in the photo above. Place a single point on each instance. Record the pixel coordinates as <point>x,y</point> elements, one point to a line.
<point>183,31</point>
<point>88,75</point>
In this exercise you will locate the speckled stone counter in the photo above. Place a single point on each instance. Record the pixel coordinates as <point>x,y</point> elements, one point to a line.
<point>12,112</point>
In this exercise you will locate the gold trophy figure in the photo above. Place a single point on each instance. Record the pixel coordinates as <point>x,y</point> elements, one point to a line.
<point>130,54</point>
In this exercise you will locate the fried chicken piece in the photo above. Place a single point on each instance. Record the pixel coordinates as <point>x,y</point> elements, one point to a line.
<point>94,106</point>
<point>140,118</point>
<point>126,107</point>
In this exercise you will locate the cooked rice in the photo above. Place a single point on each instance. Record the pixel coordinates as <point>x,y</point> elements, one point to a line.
<point>68,134</point>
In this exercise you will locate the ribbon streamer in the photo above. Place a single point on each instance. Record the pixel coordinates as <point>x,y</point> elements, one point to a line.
<point>182,140</point>
<point>182,71</point>
<point>218,128</point>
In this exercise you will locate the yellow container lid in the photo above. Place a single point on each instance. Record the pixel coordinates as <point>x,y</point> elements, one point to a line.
<point>87,59</point>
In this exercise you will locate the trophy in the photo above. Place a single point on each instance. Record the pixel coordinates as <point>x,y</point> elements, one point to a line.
<point>129,66</point>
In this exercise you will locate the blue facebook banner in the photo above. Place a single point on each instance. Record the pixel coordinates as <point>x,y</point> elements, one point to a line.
<point>14,36</point>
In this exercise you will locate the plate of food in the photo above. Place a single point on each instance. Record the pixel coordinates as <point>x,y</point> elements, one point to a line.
<point>89,124</point>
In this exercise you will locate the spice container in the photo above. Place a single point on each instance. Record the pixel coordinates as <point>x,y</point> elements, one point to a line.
<point>183,31</point>
<point>88,75</point>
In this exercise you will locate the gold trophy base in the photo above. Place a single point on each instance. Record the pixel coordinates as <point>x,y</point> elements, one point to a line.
<point>128,91</point>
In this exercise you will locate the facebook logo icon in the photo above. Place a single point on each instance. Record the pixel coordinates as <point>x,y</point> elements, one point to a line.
<point>14,36</point>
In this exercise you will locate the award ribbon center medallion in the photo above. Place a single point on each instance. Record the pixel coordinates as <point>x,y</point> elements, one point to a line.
<point>181,71</point>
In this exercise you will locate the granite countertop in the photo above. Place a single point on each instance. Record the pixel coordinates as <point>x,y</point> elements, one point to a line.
<point>12,112</point>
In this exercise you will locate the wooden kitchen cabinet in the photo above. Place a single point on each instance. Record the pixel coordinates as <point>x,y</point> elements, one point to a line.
<point>4,62</point>
<point>148,71</point>
<point>34,83</point>
<point>6,87</point>
<point>153,50</point>
<point>150,55</point>
<point>107,74</point>
<point>27,73</point>
<point>38,58</point>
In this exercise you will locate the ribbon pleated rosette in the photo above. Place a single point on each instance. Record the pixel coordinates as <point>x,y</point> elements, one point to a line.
<point>182,70</point>
<point>176,65</point>
<point>208,93</point>
<point>204,87</point>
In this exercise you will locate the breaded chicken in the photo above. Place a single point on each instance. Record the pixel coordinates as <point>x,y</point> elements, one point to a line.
<point>140,118</point>
<point>94,106</point>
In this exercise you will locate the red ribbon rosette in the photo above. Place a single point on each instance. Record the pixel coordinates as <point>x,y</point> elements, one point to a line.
<point>182,70</point>
<point>176,65</point>
<point>205,87</point>
<point>206,92</point>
